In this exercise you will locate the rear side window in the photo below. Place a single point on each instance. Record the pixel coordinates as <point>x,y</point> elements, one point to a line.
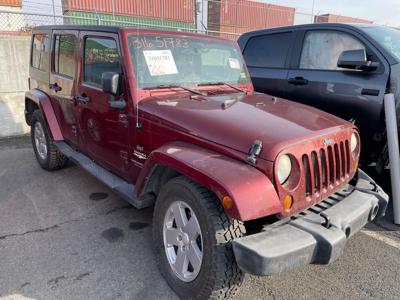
<point>40,52</point>
<point>268,51</point>
<point>64,54</point>
<point>321,49</point>
<point>101,55</point>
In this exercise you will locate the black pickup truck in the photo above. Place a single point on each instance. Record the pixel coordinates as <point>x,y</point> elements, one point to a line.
<point>344,69</point>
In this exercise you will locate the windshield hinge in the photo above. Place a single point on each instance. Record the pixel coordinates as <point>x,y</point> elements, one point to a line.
<point>254,152</point>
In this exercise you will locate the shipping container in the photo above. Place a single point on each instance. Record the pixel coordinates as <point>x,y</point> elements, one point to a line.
<point>175,10</point>
<point>11,3</point>
<point>91,18</point>
<point>239,16</point>
<point>331,18</point>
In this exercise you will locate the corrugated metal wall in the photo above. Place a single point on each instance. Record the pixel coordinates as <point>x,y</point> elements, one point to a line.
<point>331,18</point>
<point>242,15</point>
<point>11,3</point>
<point>177,10</point>
<point>91,18</point>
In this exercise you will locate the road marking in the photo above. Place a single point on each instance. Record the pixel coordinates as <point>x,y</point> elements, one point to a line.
<point>2,173</point>
<point>383,238</point>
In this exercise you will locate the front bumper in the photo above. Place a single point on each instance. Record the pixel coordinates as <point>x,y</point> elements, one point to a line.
<point>315,236</point>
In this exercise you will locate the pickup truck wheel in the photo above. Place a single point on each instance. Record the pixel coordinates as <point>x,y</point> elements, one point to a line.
<point>192,238</point>
<point>47,154</point>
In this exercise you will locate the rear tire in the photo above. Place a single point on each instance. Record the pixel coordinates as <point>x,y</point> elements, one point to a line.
<point>47,154</point>
<point>219,277</point>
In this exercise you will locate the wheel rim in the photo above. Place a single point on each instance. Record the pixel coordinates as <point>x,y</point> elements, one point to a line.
<point>183,242</point>
<point>40,140</point>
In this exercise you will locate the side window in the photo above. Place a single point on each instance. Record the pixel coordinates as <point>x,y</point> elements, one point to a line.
<point>64,54</point>
<point>101,55</point>
<point>268,51</point>
<point>321,49</point>
<point>40,52</point>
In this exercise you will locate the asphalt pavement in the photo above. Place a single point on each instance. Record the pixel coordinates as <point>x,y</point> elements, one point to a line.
<point>64,235</point>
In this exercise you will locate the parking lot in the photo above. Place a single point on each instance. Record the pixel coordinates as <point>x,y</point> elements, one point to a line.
<point>64,235</point>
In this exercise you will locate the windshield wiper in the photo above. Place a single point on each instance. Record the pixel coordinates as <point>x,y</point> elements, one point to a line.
<point>223,83</point>
<point>167,86</point>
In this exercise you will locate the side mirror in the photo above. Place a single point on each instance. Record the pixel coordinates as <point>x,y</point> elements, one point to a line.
<point>356,60</point>
<point>111,83</point>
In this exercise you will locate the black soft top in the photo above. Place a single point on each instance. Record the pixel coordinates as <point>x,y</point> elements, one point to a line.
<point>102,28</point>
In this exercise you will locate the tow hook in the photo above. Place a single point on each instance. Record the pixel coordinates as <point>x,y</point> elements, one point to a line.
<point>254,152</point>
<point>327,222</point>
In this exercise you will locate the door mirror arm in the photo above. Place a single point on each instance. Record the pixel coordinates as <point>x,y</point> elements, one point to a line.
<point>119,104</point>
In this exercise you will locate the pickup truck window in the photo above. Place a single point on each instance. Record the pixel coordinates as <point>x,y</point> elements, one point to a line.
<point>64,51</point>
<point>101,55</point>
<point>40,52</point>
<point>179,60</point>
<point>268,51</point>
<point>388,37</point>
<point>321,49</point>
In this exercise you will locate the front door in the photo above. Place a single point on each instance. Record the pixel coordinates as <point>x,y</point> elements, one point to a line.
<point>62,84</point>
<point>104,131</point>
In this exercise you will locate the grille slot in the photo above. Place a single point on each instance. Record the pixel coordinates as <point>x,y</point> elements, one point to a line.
<point>326,167</point>
<point>307,174</point>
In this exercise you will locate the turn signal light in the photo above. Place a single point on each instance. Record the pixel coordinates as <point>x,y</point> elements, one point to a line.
<point>287,202</point>
<point>227,202</point>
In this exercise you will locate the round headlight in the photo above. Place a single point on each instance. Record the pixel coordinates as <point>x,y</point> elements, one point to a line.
<point>284,168</point>
<point>353,142</point>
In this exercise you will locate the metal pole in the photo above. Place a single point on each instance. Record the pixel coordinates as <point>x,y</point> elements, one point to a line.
<point>394,155</point>
<point>54,12</point>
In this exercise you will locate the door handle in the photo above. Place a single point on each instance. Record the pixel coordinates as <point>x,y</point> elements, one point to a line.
<point>55,87</point>
<point>298,80</point>
<point>370,92</point>
<point>82,98</point>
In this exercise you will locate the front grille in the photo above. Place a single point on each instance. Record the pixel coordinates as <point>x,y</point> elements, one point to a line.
<point>326,167</point>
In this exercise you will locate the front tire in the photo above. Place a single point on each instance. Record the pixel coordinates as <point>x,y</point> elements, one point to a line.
<point>47,154</point>
<point>192,238</point>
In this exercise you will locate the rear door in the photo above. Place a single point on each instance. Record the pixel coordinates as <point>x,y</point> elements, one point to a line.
<point>266,57</point>
<point>63,82</point>
<point>315,79</point>
<point>104,130</point>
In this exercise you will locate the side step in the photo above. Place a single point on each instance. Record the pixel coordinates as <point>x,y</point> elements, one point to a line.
<point>117,184</point>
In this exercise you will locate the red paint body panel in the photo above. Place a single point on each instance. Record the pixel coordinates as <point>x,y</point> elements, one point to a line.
<point>44,103</point>
<point>276,123</point>
<point>252,192</point>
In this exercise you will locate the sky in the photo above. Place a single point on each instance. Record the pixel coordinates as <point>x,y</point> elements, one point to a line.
<point>385,12</point>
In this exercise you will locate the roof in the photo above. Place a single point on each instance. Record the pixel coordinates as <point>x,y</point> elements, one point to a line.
<point>113,29</point>
<point>116,29</point>
<point>305,26</point>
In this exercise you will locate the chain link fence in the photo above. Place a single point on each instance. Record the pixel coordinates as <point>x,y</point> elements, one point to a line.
<point>224,18</point>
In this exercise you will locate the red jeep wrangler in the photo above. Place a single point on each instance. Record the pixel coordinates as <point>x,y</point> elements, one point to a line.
<point>241,181</point>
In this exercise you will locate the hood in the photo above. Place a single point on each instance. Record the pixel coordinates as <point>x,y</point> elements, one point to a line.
<point>237,120</point>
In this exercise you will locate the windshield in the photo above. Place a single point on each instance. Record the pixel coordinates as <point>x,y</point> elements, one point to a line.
<point>162,60</point>
<point>388,37</point>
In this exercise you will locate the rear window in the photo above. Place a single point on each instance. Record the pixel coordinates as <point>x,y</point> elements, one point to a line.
<point>40,52</point>
<point>64,55</point>
<point>268,51</point>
